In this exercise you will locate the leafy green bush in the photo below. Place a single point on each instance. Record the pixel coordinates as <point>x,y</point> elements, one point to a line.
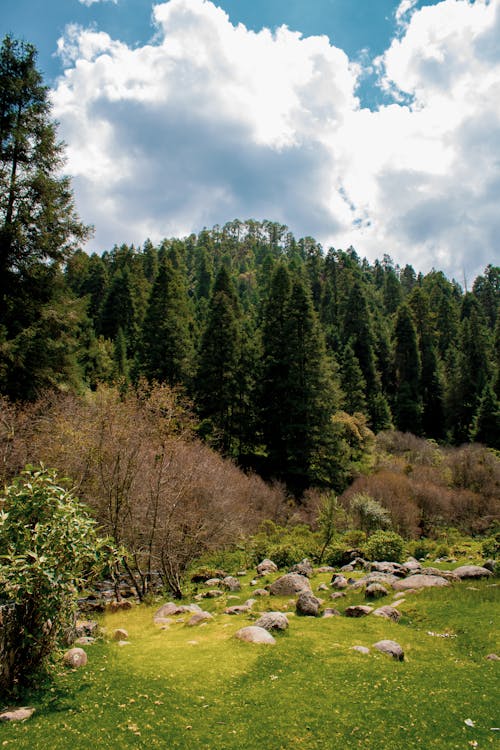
<point>287,554</point>
<point>48,549</point>
<point>284,545</point>
<point>491,546</point>
<point>369,513</point>
<point>420,548</point>
<point>385,545</point>
<point>337,554</point>
<point>354,538</point>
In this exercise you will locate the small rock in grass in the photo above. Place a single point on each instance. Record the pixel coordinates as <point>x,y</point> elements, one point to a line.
<point>419,581</point>
<point>323,587</point>
<point>230,583</point>
<point>307,604</point>
<point>337,595</point>
<point>255,634</point>
<point>237,609</point>
<point>493,657</point>
<point>120,634</point>
<point>303,568</point>
<point>85,640</point>
<point>390,613</point>
<point>17,714</point>
<point>261,592</point>
<point>272,621</point>
<point>119,606</point>
<point>198,618</point>
<point>339,582</point>
<point>358,610</point>
<point>267,566</point>
<point>391,648</point>
<point>360,649</point>
<point>329,612</point>
<point>375,591</point>
<point>75,657</point>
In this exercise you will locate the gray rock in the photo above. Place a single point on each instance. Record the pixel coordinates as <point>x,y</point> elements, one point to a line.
<point>303,568</point>
<point>390,613</point>
<point>323,587</point>
<point>85,628</point>
<point>198,618</point>
<point>289,584</point>
<point>17,714</point>
<point>261,592</point>
<point>419,581</point>
<point>171,608</point>
<point>490,565</point>
<point>337,595</point>
<point>385,567</point>
<point>360,649</point>
<point>339,582</point>
<point>329,612</point>
<point>120,634</point>
<point>385,579</point>
<point>358,610</point>
<point>75,657</point>
<point>272,621</point>
<point>266,566</point>
<point>493,657</point>
<point>85,640</point>
<point>347,568</point>
<point>237,609</point>
<point>325,569</point>
<point>472,571</point>
<point>255,634</point>
<point>230,583</point>
<point>391,648</point>
<point>213,582</point>
<point>375,591</point>
<point>307,604</point>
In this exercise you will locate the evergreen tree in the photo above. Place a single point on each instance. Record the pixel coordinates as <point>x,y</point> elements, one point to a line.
<point>119,310</point>
<point>39,230</point>
<point>166,344</point>
<point>431,382</point>
<point>217,378</point>
<point>408,403</point>
<point>486,423</point>
<point>352,381</point>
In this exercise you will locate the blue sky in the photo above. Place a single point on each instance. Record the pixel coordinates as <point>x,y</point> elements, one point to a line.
<point>367,122</point>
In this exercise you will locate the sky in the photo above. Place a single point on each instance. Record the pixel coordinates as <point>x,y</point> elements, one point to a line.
<point>365,123</point>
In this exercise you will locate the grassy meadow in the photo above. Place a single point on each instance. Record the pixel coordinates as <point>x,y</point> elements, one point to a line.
<point>197,687</point>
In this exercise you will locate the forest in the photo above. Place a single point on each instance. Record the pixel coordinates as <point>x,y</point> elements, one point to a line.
<point>285,358</point>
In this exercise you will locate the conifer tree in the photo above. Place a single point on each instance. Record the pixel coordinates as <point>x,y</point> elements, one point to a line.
<point>408,403</point>
<point>217,385</point>
<point>119,310</point>
<point>486,422</point>
<point>352,381</point>
<point>166,351</point>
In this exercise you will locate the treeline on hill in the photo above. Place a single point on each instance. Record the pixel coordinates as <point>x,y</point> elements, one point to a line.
<point>291,356</point>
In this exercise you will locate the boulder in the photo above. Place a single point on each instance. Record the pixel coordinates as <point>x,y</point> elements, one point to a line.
<point>339,582</point>
<point>358,610</point>
<point>119,606</point>
<point>255,634</point>
<point>171,608</point>
<point>419,581</point>
<point>198,618</point>
<point>375,591</point>
<point>307,604</point>
<point>323,587</point>
<point>391,648</point>
<point>75,657</point>
<point>472,571</point>
<point>213,582</point>
<point>230,583</point>
<point>385,567</point>
<point>266,566</point>
<point>261,592</point>
<point>85,640</point>
<point>491,565</point>
<point>385,579</point>
<point>272,621</point>
<point>390,613</point>
<point>337,595</point>
<point>303,568</point>
<point>329,612</point>
<point>325,569</point>
<point>17,714</point>
<point>120,634</point>
<point>411,566</point>
<point>289,584</point>
<point>237,609</point>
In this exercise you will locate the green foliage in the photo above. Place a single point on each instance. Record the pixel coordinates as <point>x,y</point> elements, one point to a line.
<point>385,545</point>
<point>284,545</point>
<point>491,546</point>
<point>49,548</point>
<point>369,513</point>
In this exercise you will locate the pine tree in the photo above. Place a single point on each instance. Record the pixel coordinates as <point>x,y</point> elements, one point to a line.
<point>353,382</point>
<point>217,384</point>
<point>486,423</point>
<point>166,351</point>
<point>119,310</point>
<point>431,382</point>
<point>39,230</point>
<point>408,403</point>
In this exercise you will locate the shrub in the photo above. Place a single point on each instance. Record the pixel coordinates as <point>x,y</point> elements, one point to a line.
<point>491,546</point>
<point>337,554</point>
<point>385,545</point>
<point>369,513</point>
<point>48,548</point>
<point>421,548</point>
<point>287,554</point>
<point>354,538</point>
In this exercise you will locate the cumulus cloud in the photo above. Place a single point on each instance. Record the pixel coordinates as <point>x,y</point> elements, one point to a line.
<point>211,121</point>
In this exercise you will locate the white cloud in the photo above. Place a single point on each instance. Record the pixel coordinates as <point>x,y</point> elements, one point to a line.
<point>403,9</point>
<point>88,3</point>
<point>210,122</point>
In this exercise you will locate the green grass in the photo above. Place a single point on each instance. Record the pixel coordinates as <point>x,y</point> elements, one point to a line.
<point>200,688</point>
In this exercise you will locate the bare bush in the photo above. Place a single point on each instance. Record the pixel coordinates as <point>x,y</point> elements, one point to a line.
<point>156,490</point>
